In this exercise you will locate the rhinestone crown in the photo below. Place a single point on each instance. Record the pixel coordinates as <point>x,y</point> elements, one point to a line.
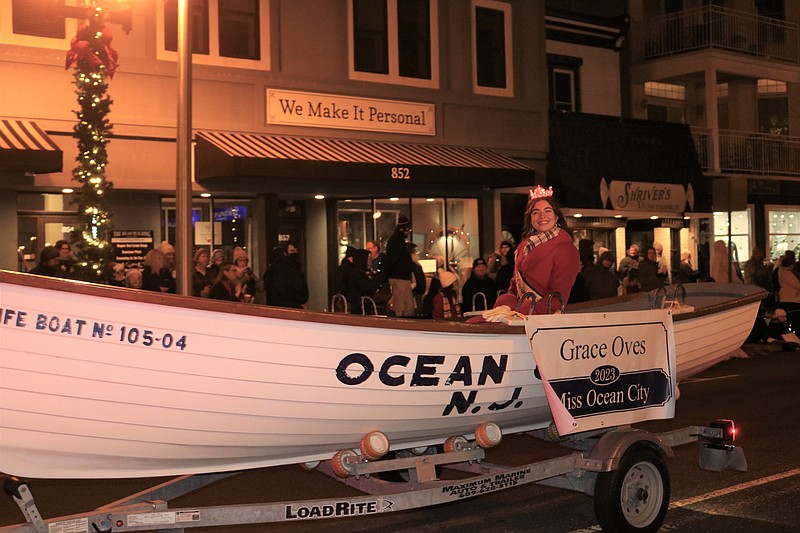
<point>540,192</point>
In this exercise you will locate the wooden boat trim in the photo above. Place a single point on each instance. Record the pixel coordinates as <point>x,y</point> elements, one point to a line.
<point>756,296</point>
<point>265,311</point>
<point>442,326</point>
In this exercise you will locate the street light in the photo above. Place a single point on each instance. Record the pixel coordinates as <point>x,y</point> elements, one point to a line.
<point>183,189</point>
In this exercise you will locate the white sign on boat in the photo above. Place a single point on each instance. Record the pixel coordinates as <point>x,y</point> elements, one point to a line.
<point>605,370</point>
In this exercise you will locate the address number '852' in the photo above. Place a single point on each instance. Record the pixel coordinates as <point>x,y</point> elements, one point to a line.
<point>401,173</point>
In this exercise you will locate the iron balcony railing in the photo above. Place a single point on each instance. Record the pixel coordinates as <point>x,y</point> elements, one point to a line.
<point>722,28</point>
<point>748,152</point>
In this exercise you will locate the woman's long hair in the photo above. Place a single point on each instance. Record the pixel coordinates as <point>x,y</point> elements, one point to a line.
<point>151,258</point>
<point>561,221</point>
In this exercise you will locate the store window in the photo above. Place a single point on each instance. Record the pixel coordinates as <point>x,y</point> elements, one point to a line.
<point>216,223</point>
<point>232,33</point>
<point>42,220</point>
<point>394,41</point>
<point>445,230</point>
<point>491,51</point>
<point>740,231</point>
<point>783,230</point>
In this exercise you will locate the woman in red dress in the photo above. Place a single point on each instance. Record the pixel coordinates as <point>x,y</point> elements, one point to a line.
<point>547,261</point>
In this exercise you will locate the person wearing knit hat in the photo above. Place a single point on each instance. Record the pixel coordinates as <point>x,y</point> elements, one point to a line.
<point>218,256</point>
<point>479,291</point>
<point>239,253</point>
<point>48,263</point>
<point>341,277</point>
<point>447,278</point>
<point>398,268</point>
<point>601,282</point>
<point>202,277</point>
<point>444,301</point>
<point>403,223</point>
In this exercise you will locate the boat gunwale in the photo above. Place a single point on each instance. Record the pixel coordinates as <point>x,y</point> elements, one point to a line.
<point>284,313</point>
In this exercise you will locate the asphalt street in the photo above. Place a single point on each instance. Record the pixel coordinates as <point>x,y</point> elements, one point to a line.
<point>760,393</point>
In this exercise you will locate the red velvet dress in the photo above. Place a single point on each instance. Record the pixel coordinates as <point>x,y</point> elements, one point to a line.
<point>549,267</point>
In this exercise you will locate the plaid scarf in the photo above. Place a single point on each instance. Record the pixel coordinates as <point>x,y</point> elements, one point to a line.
<point>539,238</point>
<point>449,309</point>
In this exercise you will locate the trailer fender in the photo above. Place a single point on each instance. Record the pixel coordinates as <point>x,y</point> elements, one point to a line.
<point>608,451</point>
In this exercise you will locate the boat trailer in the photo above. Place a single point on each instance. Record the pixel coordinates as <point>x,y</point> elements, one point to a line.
<point>623,468</point>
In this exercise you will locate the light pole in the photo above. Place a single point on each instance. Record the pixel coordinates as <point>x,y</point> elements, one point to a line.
<point>183,189</point>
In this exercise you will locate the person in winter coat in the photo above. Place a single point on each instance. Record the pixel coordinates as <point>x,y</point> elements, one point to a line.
<point>284,282</point>
<point>445,303</point>
<point>360,284</point>
<point>342,274</point>
<point>789,295</point>
<point>478,283</point>
<point>48,263</point>
<point>399,268</point>
<point>600,280</point>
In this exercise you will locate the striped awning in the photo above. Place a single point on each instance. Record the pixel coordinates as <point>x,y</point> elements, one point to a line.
<point>25,147</point>
<point>225,155</point>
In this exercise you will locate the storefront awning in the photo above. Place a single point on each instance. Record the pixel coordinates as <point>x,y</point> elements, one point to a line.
<point>601,162</point>
<point>25,147</point>
<point>222,155</point>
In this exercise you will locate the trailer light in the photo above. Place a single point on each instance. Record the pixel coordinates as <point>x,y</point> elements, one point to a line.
<point>728,430</point>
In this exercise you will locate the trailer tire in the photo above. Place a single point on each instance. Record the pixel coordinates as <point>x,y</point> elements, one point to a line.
<point>633,498</point>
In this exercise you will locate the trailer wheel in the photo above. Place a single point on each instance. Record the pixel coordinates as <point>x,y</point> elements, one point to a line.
<point>633,498</point>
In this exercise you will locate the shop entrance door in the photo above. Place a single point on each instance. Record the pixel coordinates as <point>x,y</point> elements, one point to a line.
<point>37,231</point>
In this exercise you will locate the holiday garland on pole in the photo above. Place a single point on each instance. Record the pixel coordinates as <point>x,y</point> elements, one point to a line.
<point>94,62</point>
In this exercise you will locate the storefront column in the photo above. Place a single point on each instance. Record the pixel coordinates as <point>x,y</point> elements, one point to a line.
<point>712,116</point>
<point>269,202</point>
<point>793,94</point>
<point>8,237</point>
<point>316,253</point>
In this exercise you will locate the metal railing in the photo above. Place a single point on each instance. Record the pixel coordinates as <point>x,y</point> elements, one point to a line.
<point>749,152</point>
<point>722,28</point>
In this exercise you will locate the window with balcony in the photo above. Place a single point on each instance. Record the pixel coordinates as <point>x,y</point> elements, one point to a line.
<point>773,107</point>
<point>666,102</point>
<point>563,82</point>
<point>232,33</point>
<point>492,50</point>
<point>394,41</point>
<point>774,9</point>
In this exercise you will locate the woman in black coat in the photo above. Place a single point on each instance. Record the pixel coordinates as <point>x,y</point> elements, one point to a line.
<point>360,284</point>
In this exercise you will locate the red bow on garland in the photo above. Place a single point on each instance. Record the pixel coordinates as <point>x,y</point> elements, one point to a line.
<point>81,50</point>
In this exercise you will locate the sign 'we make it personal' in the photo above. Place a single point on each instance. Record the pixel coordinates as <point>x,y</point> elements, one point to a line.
<point>294,108</point>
